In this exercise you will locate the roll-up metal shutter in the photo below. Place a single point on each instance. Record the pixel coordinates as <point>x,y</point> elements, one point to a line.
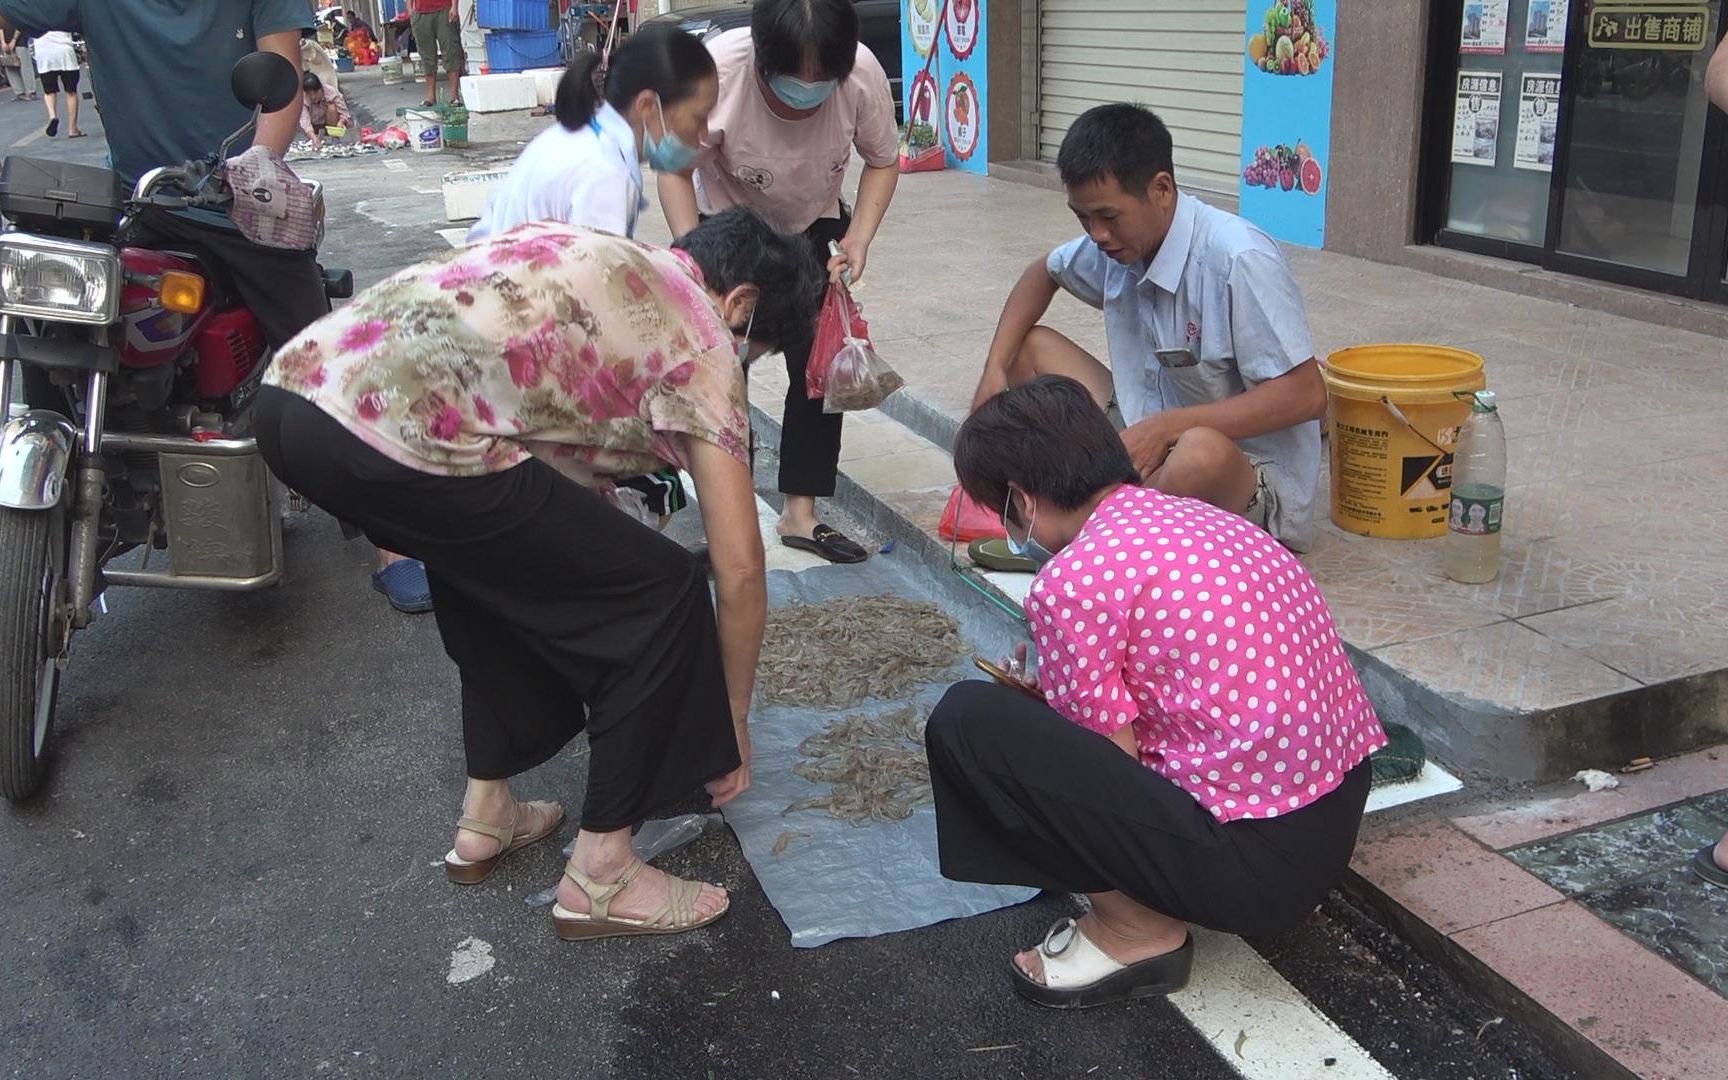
<point>1183,59</point>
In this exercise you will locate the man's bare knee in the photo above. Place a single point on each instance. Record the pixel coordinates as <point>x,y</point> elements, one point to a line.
<point>1047,352</point>
<point>1206,464</point>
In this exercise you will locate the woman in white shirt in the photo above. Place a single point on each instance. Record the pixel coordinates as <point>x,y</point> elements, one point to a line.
<point>57,66</point>
<point>587,169</point>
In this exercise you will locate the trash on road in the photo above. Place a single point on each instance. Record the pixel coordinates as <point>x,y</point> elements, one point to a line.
<point>1596,779</point>
<point>470,959</point>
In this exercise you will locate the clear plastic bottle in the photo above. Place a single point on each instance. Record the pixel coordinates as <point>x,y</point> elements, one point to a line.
<point>1478,492</point>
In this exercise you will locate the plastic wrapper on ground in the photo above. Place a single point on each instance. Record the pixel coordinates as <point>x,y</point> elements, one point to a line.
<point>829,879</point>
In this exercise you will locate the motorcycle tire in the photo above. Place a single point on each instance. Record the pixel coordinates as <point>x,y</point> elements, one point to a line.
<point>32,578</point>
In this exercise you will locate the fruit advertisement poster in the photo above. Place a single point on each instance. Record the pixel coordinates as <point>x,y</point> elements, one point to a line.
<point>944,53</point>
<point>1287,117</point>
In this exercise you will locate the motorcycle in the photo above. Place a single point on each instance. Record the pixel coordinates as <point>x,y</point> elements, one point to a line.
<point>138,366</point>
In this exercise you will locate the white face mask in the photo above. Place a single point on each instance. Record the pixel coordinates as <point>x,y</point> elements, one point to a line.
<point>1028,548</point>
<point>743,340</point>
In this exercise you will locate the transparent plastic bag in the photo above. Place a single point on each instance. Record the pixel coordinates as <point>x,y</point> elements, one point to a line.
<point>858,379</point>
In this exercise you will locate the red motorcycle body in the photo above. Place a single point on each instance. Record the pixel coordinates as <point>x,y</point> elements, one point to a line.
<point>223,346</point>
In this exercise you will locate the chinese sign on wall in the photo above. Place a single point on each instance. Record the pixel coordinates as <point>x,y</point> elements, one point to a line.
<point>943,47</point>
<point>1673,27</point>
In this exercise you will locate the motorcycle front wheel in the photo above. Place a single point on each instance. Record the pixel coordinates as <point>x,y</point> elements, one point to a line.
<point>32,585</point>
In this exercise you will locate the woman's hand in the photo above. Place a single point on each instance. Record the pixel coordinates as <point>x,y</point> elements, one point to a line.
<point>736,782</point>
<point>1016,666</point>
<point>854,252</point>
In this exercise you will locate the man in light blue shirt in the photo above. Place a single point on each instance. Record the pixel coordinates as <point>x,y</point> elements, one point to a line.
<point>1211,362</point>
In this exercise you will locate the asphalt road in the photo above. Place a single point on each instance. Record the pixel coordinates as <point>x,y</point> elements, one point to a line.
<point>234,869</point>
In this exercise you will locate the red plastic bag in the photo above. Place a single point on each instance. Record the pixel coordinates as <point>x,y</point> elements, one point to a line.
<point>840,319</point>
<point>964,521</point>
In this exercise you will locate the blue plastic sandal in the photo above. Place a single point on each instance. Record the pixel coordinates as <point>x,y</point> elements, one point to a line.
<point>404,584</point>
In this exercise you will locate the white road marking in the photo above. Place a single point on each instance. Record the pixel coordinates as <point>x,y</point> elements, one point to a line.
<point>396,165</point>
<point>469,960</point>
<point>35,133</point>
<point>1261,1024</point>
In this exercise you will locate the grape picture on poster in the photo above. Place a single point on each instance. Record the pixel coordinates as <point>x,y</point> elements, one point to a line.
<point>1287,118</point>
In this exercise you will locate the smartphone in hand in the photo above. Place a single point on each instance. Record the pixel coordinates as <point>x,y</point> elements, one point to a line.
<point>1006,679</point>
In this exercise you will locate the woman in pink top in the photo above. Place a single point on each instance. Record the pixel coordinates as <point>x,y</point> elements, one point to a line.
<point>798,94</point>
<point>1200,752</point>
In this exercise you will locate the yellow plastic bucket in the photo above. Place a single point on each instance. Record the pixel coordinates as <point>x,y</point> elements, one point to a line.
<point>1393,421</point>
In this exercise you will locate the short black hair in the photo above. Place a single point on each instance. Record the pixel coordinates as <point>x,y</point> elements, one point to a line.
<point>1049,437</point>
<point>1128,142</point>
<point>311,82</point>
<point>736,247</point>
<point>788,32</point>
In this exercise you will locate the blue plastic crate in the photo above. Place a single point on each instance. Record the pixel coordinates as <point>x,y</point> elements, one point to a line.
<point>515,14</point>
<point>519,50</point>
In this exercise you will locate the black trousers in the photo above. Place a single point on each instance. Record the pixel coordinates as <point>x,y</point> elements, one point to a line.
<point>809,437</point>
<point>1024,797</point>
<point>285,289</point>
<point>551,602</point>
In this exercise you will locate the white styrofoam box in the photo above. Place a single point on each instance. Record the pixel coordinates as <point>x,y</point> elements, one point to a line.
<point>504,92</point>
<point>545,83</point>
<point>466,193</point>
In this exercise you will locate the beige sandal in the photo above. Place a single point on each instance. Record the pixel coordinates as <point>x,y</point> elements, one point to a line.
<point>677,916</point>
<point>464,872</point>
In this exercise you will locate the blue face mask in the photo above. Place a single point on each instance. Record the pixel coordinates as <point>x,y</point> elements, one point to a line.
<point>1028,548</point>
<point>668,153</point>
<point>798,94</point>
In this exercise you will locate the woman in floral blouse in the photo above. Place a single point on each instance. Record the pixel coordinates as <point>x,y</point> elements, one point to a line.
<point>472,413</point>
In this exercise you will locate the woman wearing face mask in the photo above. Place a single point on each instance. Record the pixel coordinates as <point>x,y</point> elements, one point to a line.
<point>798,94</point>
<point>1198,747</point>
<point>587,169</point>
<point>471,413</point>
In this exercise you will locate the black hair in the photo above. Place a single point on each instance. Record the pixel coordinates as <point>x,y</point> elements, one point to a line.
<point>1048,436</point>
<point>663,59</point>
<point>1128,142</point>
<point>736,247</point>
<point>311,82</point>
<point>786,33</point>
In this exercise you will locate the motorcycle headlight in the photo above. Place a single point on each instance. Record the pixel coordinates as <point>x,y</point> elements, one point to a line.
<point>45,278</point>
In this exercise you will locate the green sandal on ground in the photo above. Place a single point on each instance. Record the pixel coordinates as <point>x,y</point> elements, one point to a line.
<point>676,916</point>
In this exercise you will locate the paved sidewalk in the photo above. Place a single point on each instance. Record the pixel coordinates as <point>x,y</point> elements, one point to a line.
<point>1613,581</point>
<point>1578,911</point>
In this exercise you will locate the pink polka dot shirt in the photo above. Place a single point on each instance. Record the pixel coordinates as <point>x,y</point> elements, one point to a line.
<point>1208,637</point>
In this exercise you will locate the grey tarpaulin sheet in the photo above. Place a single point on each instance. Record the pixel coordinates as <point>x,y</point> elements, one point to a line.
<point>844,880</point>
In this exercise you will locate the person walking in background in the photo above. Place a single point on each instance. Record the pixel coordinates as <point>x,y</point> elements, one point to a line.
<point>798,94</point>
<point>439,39</point>
<point>15,53</point>
<point>57,64</point>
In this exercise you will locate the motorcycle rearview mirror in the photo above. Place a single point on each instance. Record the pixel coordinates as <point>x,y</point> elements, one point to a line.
<point>264,81</point>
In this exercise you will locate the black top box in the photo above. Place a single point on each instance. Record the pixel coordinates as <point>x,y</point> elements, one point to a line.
<point>36,193</point>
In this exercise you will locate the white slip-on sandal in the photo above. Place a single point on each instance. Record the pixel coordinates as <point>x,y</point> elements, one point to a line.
<point>1078,974</point>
